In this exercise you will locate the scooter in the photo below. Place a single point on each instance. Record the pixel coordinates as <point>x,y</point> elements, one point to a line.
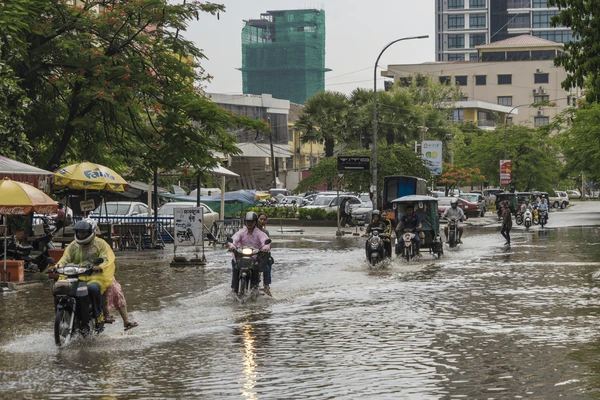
<point>249,262</point>
<point>527,218</point>
<point>543,218</point>
<point>409,250</point>
<point>375,246</point>
<point>74,314</point>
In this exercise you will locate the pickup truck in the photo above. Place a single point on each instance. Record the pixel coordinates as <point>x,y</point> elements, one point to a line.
<point>558,198</point>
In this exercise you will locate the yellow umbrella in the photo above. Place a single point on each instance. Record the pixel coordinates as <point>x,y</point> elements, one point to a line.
<point>90,176</point>
<point>18,198</point>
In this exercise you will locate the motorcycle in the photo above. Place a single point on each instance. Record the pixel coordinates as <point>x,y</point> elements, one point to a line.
<point>543,218</point>
<point>74,314</point>
<point>527,218</point>
<point>35,255</point>
<point>409,250</point>
<point>375,246</point>
<point>249,262</point>
<point>519,217</point>
<point>452,233</point>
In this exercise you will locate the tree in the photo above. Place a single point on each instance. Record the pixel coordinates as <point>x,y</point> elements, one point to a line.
<point>453,176</point>
<point>116,82</point>
<point>324,119</point>
<point>582,57</point>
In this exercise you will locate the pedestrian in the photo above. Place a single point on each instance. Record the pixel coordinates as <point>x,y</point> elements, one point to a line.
<point>114,299</point>
<point>342,212</point>
<point>506,223</point>
<point>348,211</point>
<point>61,217</point>
<point>262,225</point>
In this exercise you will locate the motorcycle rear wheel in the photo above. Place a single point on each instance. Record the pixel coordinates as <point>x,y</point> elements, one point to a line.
<point>451,239</point>
<point>62,331</point>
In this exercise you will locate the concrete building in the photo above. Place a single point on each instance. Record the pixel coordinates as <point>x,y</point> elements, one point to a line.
<point>254,165</point>
<point>514,72</point>
<point>461,25</point>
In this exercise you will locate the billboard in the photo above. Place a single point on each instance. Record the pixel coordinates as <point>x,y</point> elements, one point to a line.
<point>188,226</point>
<point>432,153</point>
<point>505,172</point>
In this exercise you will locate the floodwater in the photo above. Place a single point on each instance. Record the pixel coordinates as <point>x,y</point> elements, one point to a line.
<point>482,322</point>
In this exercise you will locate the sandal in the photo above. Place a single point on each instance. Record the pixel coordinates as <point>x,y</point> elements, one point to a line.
<point>109,319</point>
<point>131,325</point>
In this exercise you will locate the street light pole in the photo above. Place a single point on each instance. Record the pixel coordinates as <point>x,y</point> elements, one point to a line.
<point>374,185</point>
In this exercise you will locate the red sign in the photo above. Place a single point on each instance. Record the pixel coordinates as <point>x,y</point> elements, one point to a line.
<point>505,172</point>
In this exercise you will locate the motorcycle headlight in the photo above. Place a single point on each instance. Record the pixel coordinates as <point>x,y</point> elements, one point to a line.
<point>71,270</point>
<point>247,251</point>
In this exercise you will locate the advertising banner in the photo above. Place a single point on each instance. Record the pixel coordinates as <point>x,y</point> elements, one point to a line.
<point>188,226</point>
<point>432,153</point>
<point>505,172</point>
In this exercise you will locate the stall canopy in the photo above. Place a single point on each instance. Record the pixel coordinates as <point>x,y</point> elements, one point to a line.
<point>233,201</point>
<point>21,172</point>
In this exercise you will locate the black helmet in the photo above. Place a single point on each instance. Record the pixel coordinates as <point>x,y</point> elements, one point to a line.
<point>85,231</point>
<point>250,216</point>
<point>377,212</point>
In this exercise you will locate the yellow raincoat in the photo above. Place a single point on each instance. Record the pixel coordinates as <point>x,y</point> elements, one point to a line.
<point>85,253</point>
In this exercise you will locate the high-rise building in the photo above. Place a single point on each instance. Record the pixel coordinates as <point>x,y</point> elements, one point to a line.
<point>463,24</point>
<point>283,54</point>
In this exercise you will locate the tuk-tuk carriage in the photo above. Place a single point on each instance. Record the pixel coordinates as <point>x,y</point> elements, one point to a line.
<point>426,208</point>
<point>513,204</point>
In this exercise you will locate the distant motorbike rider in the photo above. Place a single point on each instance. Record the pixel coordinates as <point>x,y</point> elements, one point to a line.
<point>408,222</point>
<point>543,206</point>
<point>84,249</point>
<point>251,236</point>
<point>454,212</point>
<point>526,206</point>
<point>378,224</point>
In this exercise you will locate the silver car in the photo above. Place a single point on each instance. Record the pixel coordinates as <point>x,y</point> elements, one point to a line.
<point>332,202</point>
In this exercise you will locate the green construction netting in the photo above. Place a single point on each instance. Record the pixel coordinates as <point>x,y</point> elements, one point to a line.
<point>283,54</point>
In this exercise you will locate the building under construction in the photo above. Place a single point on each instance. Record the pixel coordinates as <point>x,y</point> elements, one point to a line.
<point>283,54</point>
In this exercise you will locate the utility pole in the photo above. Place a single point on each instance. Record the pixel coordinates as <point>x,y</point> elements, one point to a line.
<point>273,173</point>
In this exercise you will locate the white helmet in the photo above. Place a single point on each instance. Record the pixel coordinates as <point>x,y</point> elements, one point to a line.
<point>85,231</point>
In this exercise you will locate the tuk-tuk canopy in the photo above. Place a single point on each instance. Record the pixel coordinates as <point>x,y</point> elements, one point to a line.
<point>426,208</point>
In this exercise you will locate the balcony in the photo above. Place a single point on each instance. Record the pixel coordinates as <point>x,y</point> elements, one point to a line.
<point>486,123</point>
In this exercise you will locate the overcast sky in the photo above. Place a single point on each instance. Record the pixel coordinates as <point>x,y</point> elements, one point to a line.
<point>356,32</point>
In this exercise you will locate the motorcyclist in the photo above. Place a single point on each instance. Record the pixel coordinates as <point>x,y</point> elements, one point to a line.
<point>250,236</point>
<point>526,206</point>
<point>383,226</point>
<point>454,212</point>
<point>408,222</point>
<point>83,250</point>
<point>543,207</point>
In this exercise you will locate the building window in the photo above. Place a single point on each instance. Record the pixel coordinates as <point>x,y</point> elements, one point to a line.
<point>476,3</point>
<point>454,4</point>
<point>444,80</point>
<point>493,56</point>
<point>563,36</point>
<point>456,57</point>
<point>456,41</point>
<point>540,3</point>
<point>543,54</point>
<point>458,115</point>
<point>480,80</point>
<point>509,120</point>
<point>473,56</point>
<point>540,78</point>
<point>477,21</point>
<point>541,19</point>
<point>504,79</point>
<point>518,55</point>
<point>541,121</point>
<point>476,39</point>
<point>456,21</point>
<point>461,80</point>
<point>538,99</point>
<point>505,100</point>
<point>519,21</point>
<point>404,81</point>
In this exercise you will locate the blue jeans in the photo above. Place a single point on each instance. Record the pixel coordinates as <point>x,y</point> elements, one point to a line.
<point>267,273</point>
<point>95,298</point>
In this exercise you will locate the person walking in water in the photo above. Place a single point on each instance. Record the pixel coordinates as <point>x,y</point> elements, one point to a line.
<point>506,223</point>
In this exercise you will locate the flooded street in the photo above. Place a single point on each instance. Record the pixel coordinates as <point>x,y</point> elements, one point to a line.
<point>483,322</point>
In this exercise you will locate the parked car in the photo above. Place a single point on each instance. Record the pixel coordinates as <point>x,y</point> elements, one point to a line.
<point>119,211</point>
<point>444,203</point>
<point>471,209</point>
<point>363,212</point>
<point>490,196</point>
<point>167,214</point>
<point>330,202</point>
<point>576,194</point>
<point>558,199</point>
<point>478,199</point>
<point>289,201</point>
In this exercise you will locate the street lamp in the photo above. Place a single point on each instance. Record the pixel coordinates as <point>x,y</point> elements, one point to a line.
<point>375,114</point>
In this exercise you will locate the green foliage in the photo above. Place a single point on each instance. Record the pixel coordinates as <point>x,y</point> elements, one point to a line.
<point>115,82</point>
<point>581,57</point>
<point>315,214</point>
<point>534,158</point>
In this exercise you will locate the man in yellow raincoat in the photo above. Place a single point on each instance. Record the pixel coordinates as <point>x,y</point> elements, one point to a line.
<point>83,250</point>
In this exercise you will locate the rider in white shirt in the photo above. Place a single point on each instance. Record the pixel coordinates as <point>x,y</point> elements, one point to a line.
<point>456,212</point>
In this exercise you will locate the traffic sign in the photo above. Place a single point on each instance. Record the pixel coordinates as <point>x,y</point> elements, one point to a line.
<point>346,163</point>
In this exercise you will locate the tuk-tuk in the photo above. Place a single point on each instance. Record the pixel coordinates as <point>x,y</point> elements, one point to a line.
<point>513,204</point>
<point>426,208</point>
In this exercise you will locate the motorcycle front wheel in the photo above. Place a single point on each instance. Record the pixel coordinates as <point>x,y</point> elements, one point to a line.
<point>62,327</point>
<point>451,239</point>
